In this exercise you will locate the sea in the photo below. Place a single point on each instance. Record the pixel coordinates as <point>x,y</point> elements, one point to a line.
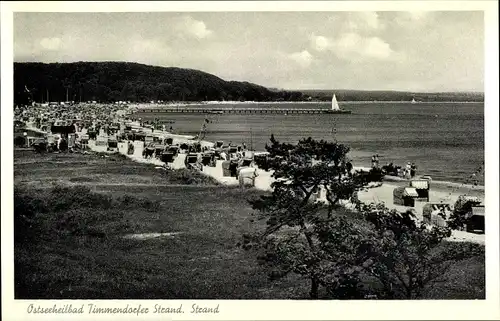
<point>444,140</point>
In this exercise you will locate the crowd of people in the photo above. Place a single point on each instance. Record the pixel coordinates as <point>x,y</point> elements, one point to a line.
<point>72,127</point>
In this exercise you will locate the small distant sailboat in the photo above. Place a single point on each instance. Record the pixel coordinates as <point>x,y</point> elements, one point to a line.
<point>413,101</point>
<point>336,108</point>
<point>335,104</point>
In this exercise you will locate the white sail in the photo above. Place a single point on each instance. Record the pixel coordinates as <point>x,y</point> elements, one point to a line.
<point>413,101</point>
<point>335,104</point>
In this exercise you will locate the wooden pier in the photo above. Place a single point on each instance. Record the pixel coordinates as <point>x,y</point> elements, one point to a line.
<point>200,110</point>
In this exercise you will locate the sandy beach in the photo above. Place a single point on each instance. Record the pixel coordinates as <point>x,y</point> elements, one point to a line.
<point>440,192</point>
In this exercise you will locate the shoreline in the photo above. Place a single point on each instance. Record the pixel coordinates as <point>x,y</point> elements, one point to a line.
<point>326,102</point>
<point>441,192</point>
<point>443,184</point>
<point>378,194</point>
<point>395,180</point>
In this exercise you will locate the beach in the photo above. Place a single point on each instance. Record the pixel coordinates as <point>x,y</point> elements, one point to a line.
<point>440,192</point>
<point>446,186</point>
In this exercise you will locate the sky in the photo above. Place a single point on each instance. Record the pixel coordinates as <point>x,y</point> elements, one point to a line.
<point>425,51</point>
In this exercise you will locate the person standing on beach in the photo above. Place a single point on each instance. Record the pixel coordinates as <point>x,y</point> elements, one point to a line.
<point>348,167</point>
<point>408,171</point>
<point>355,200</point>
<point>413,170</point>
<point>375,161</point>
<point>474,179</point>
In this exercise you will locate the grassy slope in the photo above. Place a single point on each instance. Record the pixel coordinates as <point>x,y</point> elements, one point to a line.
<point>194,264</point>
<point>201,262</point>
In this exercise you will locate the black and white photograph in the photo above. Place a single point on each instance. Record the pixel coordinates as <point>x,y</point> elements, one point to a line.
<point>182,157</point>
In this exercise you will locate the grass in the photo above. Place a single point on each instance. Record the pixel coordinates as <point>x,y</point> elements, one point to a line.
<point>83,205</point>
<point>97,168</point>
<point>101,264</point>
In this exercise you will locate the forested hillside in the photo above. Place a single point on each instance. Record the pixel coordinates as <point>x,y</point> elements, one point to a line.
<point>115,81</point>
<point>124,81</point>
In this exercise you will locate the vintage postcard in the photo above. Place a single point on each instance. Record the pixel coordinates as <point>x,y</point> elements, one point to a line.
<point>250,160</point>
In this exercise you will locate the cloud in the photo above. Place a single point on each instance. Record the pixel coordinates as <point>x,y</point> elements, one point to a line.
<point>352,46</point>
<point>320,43</point>
<point>303,58</point>
<point>51,43</point>
<point>193,27</point>
<point>371,47</point>
<point>385,49</point>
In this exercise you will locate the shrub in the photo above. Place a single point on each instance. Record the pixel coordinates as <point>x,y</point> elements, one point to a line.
<point>403,254</point>
<point>19,141</point>
<point>189,177</point>
<point>462,207</point>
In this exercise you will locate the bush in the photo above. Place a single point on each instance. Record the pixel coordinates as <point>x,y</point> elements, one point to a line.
<point>189,177</point>
<point>403,254</point>
<point>19,141</point>
<point>460,250</point>
<point>462,207</point>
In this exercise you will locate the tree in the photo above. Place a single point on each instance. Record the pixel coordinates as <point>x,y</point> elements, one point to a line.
<point>403,254</point>
<point>336,249</point>
<point>299,238</point>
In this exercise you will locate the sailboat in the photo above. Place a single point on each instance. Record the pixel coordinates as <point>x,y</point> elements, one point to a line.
<point>413,101</point>
<point>336,108</point>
